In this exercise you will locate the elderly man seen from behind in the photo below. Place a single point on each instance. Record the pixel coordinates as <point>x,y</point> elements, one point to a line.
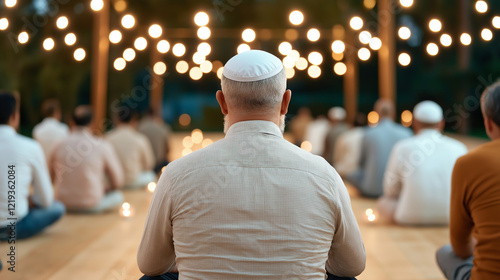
<point>252,205</point>
<point>417,179</point>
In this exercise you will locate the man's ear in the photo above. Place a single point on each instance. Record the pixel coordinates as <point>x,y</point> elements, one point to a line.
<point>286,101</point>
<point>222,102</point>
<point>488,125</point>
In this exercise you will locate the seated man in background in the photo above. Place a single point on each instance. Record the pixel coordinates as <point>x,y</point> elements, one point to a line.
<point>375,150</point>
<point>81,167</point>
<point>347,150</point>
<point>238,209</point>
<point>158,133</point>
<point>298,125</point>
<point>475,205</point>
<point>336,116</point>
<point>417,179</point>
<point>51,130</point>
<point>133,149</point>
<point>23,165</point>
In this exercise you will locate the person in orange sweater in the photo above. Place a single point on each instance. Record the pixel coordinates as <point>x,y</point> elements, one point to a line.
<point>474,252</point>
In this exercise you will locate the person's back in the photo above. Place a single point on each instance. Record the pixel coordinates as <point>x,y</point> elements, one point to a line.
<point>50,131</point>
<point>252,205</point>
<point>348,151</point>
<point>424,167</point>
<point>157,134</point>
<point>85,168</point>
<point>377,145</point>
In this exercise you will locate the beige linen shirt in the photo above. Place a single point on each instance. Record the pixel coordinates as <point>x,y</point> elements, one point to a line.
<point>81,165</point>
<point>251,206</point>
<point>133,149</point>
<point>48,133</point>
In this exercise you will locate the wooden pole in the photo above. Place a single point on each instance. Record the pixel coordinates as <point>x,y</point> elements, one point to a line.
<point>351,77</point>
<point>387,54</point>
<point>156,90</point>
<point>100,56</point>
<point>464,56</point>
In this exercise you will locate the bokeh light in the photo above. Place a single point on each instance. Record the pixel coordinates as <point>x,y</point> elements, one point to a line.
<point>465,39</point>
<point>486,34</point>
<point>313,34</point>
<point>4,23</point>
<point>373,118</point>
<point>23,37</point>
<point>285,48</point>
<point>48,44</point>
<point>204,48</point>
<point>481,6</point>
<point>140,43</point>
<point>182,67</point>
<point>179,49</point>
<point>62,22</point>
<point>301,63</point>
<point>314,71</point>
<point>185,120</point>
<point>70,39</point>
<point>79,54</point>
<point>375,44</point>
<point>163,46</point>
<point>432,49</point>
<point>406,3</point>
<point>446,40</point>
<point>96,5</point>
<point>404,33</point>
<point>201,19</point>
<point>115,36</point>
<point>243,48</point>
<point>155,31</point>
<point>315,58</point>
<point>365,37</point>
<point>404,59</point>
<point>296,17</point>
<point>128,21</point>
<point>197,136</point>
<point>206,66</point>
<point>496,22</point>
<point>306,145</point>
<point>435,25</point>
<point>160,68</point>
<point>10,3</point>
<point>248,35</point>
<point>338,46</point>
<point>204,33</point>
<point>290,73</point>
<point>206,142</point>
<point>195,73</point>
<point>129,54</point>
<point>356,23</point>
<point>120,64</point>
<point>340,68</point>
<point>364,54</point>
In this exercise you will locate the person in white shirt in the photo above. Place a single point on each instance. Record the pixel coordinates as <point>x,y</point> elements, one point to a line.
<point>22,164</point>
<point>347,151</point>
<point>417,180</point>
<point>338,126</point>
<point>133,150</point>
<point>51,130</point>
<point>86,171</point>
<point>316,134</point>
<point>252,205</point>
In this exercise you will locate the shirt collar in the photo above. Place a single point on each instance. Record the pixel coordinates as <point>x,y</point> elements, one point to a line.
<point>264,127</point>
<point>7,130</point>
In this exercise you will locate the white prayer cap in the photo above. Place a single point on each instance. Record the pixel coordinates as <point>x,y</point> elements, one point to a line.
<point>337,113</point>
<point>428,112</point>
<point>251,66</point>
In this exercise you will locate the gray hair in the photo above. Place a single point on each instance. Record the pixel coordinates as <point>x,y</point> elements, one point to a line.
<point>264,95</point>
<point>490,102</point>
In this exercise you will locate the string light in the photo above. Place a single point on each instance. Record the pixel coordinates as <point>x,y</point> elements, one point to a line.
<point>356,23</point>
<point>496,22</point>
<point>243,48</point>
<point>481,6</point>
<point>404,33</point>
<point>163,46</point>
<point>340,68</point>
<point>201,19</point>
<point>296,17</point>
<point>369,4</point>
<point>446,40</point>
<point>182,67</point>
<point>313,34</point>
<point>79,54</point>
<point>120,64</point>
<point>364,54</point>
<point>338,46</point>
<point>248,35</point>
<point>285,48</point>
<point>204,33</point>
<point>70,39</point>
<point>206,142</point>
<point>186,152</point>
<point>179,50</point>
<point>115,36</point>
<point>315,58</point>
<point>197,136</point>
<point>294,54</point>
<point>219,72</point>
<point>314,71</point>
<point>465,39</point>
<point>373,118</point>
<point>23,37</point>
<point>435,25</point>
<point>160,68</point>
<point>48,44</point>
<point>140,43</point>
<point>155,31</point>
<point>486,34</point>
<point>432,49</point>
<point>365,37</point>
<point>185,120</point>
<point>4,23</point>
<point>306,145</point>
<point>151,186</point>
<point>10,3</point>
<point>404,59</point>
<point>195,73</point>
<point>288,62</point>
<point>406,3</point>
<point>290,73</point>
<point>406,117</point>
<point>120,6</point>
<point>62,22</point>
<point>96,5</point>
<point>198,58</point>
<point>129,54</point>
<point>301,63</point>
<point>206,66</point>
<point>375,44</point>
<point>128,21</point>
<point>204,48</point>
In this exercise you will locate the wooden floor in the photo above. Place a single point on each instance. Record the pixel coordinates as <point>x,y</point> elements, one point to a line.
<point>104,246</point>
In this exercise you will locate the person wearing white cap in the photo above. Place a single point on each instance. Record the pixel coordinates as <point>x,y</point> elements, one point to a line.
<point>376,147</point>
<point>252,205</point>
<point>417,180</point>
<point>336,115</point>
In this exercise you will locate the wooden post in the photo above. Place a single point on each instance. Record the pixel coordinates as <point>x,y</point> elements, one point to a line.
<point>464,56</point>
<point>387,54</point>
<point>156,90</point>
<point>100,56</point>
<point>351,77</point>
